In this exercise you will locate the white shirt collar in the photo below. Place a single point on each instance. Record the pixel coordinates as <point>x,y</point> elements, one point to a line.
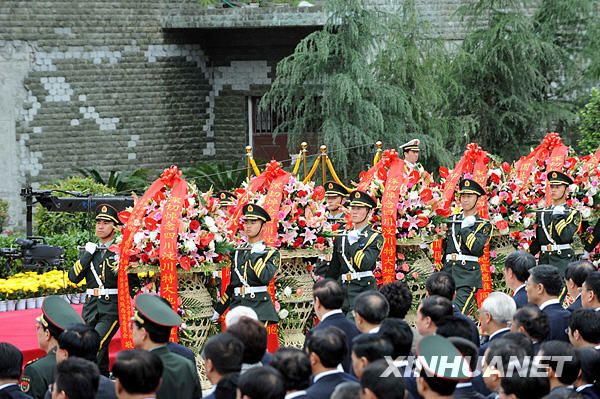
<point>581,388</point>
<point>519,288</point>
<point>374,330</point>
<point>331,313</point>
<point>257,247</point>
<point>325,374</point>
<point>597,347</point>
<point>295,394</point>
<point>549,302</point>
<point>210,390</point>
<point>248,366</point>
<point>6,385</point>
<point>498,332</point>
<point>464,384</point>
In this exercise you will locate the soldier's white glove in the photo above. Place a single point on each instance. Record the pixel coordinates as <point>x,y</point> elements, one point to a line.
<point>215,316</point>
<point>586,255</point>
<point>353,236</point>
<point>467,222</point>
<point>90,247</point>
<point>558,210</point>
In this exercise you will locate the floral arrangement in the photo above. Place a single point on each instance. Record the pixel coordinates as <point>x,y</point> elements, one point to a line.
<point>201,240</point>
<point>32,285</point>
<point>302,215</point>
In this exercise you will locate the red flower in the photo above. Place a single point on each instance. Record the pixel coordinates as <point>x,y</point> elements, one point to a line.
<point>204,241</point>
<point>159,196</point>
<point>148,247</point>
<point>502,226</point>
<point>506,167</point>
<point>124,216</point>
<point>382,174</point>
<point>495,178</point>
<point>320,240</point>
<point>502,209</point>
<point>151,223</point>
<point>184,262</point>
<point>145,258</point>
<point>335,226</point>
<point>194,224</point>
<point>298,242</point>
<point>318,193</point>
<point>442,212</point>
<point>426,195</point>
<point>414,177</point>
<point>423,221</point>
<point>443,172</point>
<point>302,223</point>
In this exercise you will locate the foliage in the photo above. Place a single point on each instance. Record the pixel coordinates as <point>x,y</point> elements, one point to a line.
<point>50,223</point>
<point>70,242</point>
<point>327,86</point>
<point>218,175</point>
<point>589,126</point>
<point>7,268</point>
<point>3,213</point>
<point>515,71</point>
<point>122,183</point>
<point>418,65</point>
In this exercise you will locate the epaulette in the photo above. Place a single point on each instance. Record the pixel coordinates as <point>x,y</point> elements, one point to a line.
<point>32,361</point>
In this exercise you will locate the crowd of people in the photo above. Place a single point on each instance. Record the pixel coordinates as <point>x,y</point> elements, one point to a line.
<point>532,346</point>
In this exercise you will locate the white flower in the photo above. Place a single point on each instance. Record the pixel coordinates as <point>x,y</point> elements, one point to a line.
<point>287,291</point>
<point>138,237</point>
<point>152,235</point>
<point>210,223</point>
<point>586,212</point>
<point>283,313</point>
<point>189,246</point>
<point>495,200</point>
<point>211,245</point>
<point>191,201</point>
<point>413,195</point>
<point>526,222</point>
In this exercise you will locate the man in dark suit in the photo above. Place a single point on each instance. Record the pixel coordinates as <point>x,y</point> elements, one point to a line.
<point>83,341</point>
<point>561,375</point>
<point>575,275</point>
<point>375,387</point>
<point>137,372</point>
<point>294,366</point>
<point>533,323</point>
<point>151,327</point>
<point>11,362</point>
<point>584,328</point>
<point>326,349</point>
<point>590,292</point>
<point>586,384</point>
<point>497,310</point>
<point>222,354</point>
<point>543,289</point>
<point>442,284</point>
<point>465,389</point>
<point>516,273</point>
<point>328,297</point>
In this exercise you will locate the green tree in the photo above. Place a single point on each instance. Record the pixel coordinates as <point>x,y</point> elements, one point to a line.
<point>516,71</point>
<point>328,86</point>
<point>589,127</point>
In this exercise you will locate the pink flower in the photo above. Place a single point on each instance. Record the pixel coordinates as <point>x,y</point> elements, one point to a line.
<point>399,276</point>
<point>277,306</point>
<point>415,275</point>
<point>493,254</point>
<point>405,267</point>
<point>299,291</point>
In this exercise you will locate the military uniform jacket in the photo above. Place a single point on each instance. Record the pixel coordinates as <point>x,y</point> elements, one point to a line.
<point>552,230</point>
<point>469,241</point>
<point>257,268</point>
<point>38,375</point>
<point>101,261</point>
<point>362,255</point>
<point>179,378</point>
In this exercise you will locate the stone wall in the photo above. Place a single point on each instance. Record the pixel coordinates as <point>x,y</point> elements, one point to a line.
<point>118,85</point>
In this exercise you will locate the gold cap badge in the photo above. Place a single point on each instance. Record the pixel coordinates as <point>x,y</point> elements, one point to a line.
<point>554,175</point>
<point>104,209</point>
<point>467,183</point>
<point>330,185</point>
<point>250,208</point>
<point>222,195</point>
<point>357,195</point>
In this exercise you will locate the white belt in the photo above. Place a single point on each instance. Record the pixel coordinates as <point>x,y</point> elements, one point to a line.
<point>244,290</point>
<point>356,276</point>
<point>102,291</point>
<point>217,274</point>
<point>457,257</point>
<point>555,248</point>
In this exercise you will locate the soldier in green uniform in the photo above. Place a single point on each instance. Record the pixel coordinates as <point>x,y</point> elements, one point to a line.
<point>95,264</point>
<point>556,226</point>
<point>410,153</point>
<point>57,315</point>
<point>335,195</point>
<point>226,198</point>
<point>466,238</point>
<point>355,253</point>
<point>253,267</point>
<point>591,242</point>
<point>151,327</point>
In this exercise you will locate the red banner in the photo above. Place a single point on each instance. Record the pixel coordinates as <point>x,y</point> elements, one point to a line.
<point>451,181</point>
<point>169,231</point>
<point>389,214</point>
<point>480,169</point>
<point>271,205</point>
<point>132,225</point>
<point>593,161</point>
